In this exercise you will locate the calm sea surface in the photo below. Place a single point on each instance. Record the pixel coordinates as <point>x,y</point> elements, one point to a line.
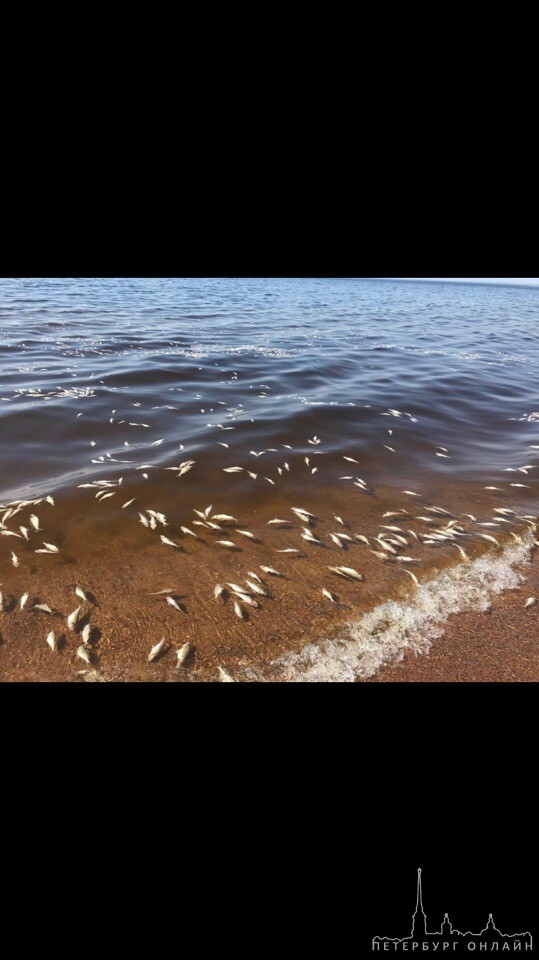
<point>425,387</point>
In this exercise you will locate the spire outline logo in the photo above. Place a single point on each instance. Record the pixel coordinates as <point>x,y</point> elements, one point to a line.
<point>490,938</point>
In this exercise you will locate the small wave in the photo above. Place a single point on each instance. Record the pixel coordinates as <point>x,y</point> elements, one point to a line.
<point>382,636</point>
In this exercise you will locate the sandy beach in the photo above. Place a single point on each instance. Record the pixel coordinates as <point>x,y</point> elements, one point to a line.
<point>498,646</point>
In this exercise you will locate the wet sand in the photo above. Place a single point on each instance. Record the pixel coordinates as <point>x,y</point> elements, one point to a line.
<point>500,645</point>
<point>121,566</point>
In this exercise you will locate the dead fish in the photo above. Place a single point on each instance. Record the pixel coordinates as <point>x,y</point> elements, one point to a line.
<point>188,532</point>
<point>81,594</point>
<point>35,522</point>
<point>254,576</point>
<point>51,640</point>
<point>238,610</point>
<point>486,536</point>
<point>332,536</point>
<point>288,550</point>
<point>86,634</point>
<point>24,600</point>
<point>168,543</point>
<point>144,520</point>
<point>301,513</point>
<point>14,559</point>
<point>236,588</point>
<point>532,602</point>
<point>271,571</point>
<point>1,602</point>
<point>182,654</point>
<point>402,541</point>
<point>24,532</point>
<point>346,572</point>
<point>227,544</point>
<point>83,654</point>
<point>279,523</point>
<point>72,618</point>
<point>218,591</point>
<point>410,493</point>
<point>326,593</point>
<point>225,677</point>
<point>406,560</point>
<point>245,598</point>
<point>256,588</point>
<point>350,572</point>
<point>155,651</point>
<point>44,607</point>
<point>128,503</point>
<point>233,470</point>
<point>413,576</point>
<point>223,518</point>
<point>245,533</point>
<point>359,536</point>
<point>172,602</point>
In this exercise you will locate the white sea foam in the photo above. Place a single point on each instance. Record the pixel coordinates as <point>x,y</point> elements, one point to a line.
<point>382,636</point>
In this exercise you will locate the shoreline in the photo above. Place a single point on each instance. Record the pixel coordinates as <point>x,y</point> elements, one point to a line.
<point>501,644</point>
<point>498,646</point>
<point>293,633</point>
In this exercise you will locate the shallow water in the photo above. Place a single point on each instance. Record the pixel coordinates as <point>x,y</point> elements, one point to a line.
<point>109,379</point>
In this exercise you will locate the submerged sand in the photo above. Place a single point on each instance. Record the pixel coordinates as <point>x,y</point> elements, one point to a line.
<point>120,564</point>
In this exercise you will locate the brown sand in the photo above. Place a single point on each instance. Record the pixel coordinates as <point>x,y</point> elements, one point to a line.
<point>122,570</point>
<point>499,646</point>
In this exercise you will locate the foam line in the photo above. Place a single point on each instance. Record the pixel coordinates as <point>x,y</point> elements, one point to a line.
<point>382,635</point>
